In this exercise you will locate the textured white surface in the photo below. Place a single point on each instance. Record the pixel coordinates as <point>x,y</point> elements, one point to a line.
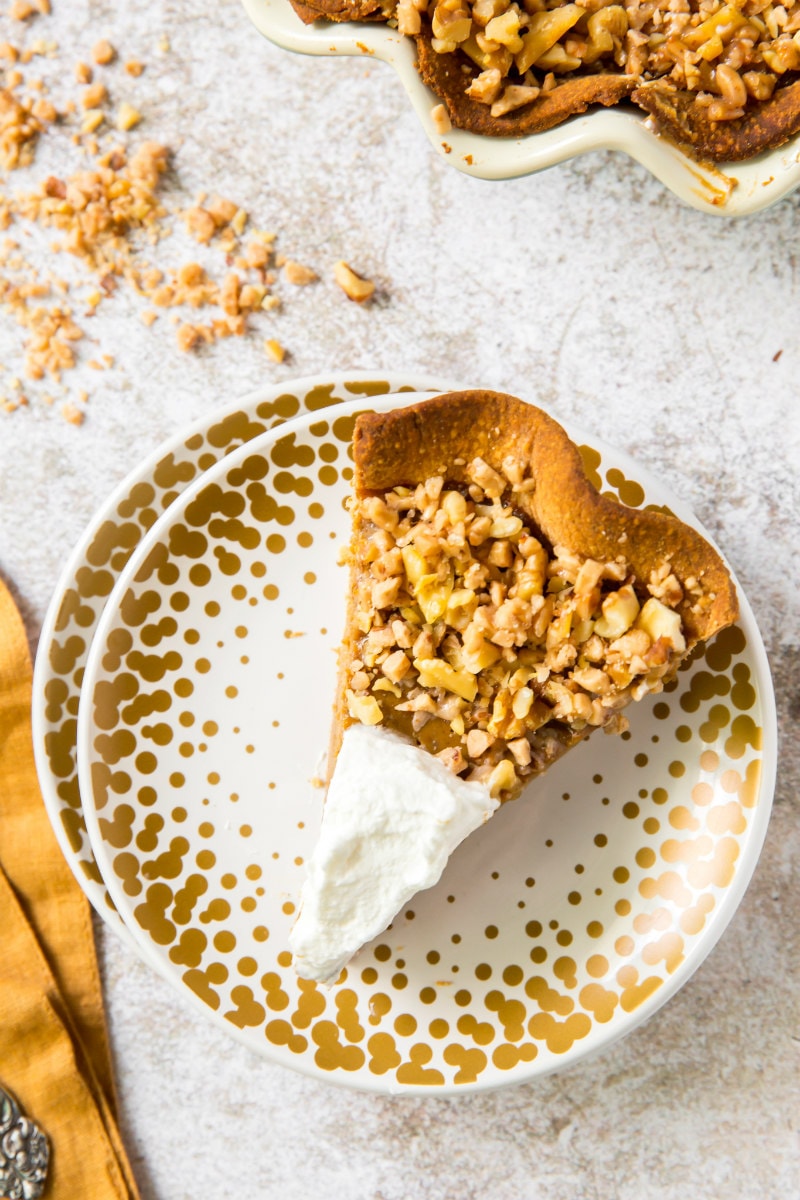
<point>651,324</point>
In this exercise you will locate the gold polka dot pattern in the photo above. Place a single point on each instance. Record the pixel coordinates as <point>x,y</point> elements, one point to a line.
<point>552,930</point>
<point>93,570</point>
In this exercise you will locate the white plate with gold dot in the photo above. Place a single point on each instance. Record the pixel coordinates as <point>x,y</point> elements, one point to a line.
<point>555,929</point>
<point>107,543</point>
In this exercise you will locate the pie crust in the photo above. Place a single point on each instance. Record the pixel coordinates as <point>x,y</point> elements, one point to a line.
<point>684,117</point>
<point>540,593</point>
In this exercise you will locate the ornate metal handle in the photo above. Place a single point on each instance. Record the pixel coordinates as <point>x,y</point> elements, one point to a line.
<point>24,1153</point>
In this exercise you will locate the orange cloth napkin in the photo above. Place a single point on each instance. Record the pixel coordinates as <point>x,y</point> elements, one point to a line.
<point>54,1052</point>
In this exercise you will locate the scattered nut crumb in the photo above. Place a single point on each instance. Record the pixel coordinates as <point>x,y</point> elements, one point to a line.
<point>258,254</point>
<point>22,10</point>
<point>229,295</point>
<point>92,120</point>
<point>441,121</point>
<point>189,337</point>
<point>44,111</point>
<point>104,213</point>
<point>127,116</point>
<point>94,96</point>
<point>70,412</point>
<point>222,211</point>
<point>354,286</point>
<point>200,224</point>
<point>251,296</point>
<point>19,129</point>
<point>296,273</point>
<point>103,53</point>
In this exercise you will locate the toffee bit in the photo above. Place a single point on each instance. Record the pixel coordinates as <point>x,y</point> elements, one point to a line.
<point>274,350</point>
<point>127,116</point>
<point>298,275</point>
<point>355,287</point>
<point>103,53</point>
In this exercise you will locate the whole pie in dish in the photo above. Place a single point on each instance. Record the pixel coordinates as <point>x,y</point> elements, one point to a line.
<point>720,79</point>
<point>500,611</point>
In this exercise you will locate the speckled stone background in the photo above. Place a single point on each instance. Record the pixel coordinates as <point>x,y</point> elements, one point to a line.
<point>671,334</point>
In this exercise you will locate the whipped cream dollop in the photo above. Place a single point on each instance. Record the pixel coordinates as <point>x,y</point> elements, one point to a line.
<point>392,817</point>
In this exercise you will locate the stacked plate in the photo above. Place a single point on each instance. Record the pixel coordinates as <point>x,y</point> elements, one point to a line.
<point>182,699</point>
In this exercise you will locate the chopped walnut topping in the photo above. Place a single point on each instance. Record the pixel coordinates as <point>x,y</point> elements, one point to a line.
<point>408,17</point>
<point>487,86</point>
<point>731,55</point>
<point>486,479</point>
<point>490,649</point>
<point>453,759</point>
<point>665,587</point>
<point>514,96</point>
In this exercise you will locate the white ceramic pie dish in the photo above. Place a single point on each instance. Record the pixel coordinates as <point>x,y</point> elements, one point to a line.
<point>734,190</point>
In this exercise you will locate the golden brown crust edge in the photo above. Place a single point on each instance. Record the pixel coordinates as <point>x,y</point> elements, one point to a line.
<point>676,114</point>
<point>443,74</point>
<point>346,653</point>
<point>683,121</point>
<point>339,10</point>
<point>410,444</point>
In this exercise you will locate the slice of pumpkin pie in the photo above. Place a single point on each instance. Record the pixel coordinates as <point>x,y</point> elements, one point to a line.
<point>500,611</point>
